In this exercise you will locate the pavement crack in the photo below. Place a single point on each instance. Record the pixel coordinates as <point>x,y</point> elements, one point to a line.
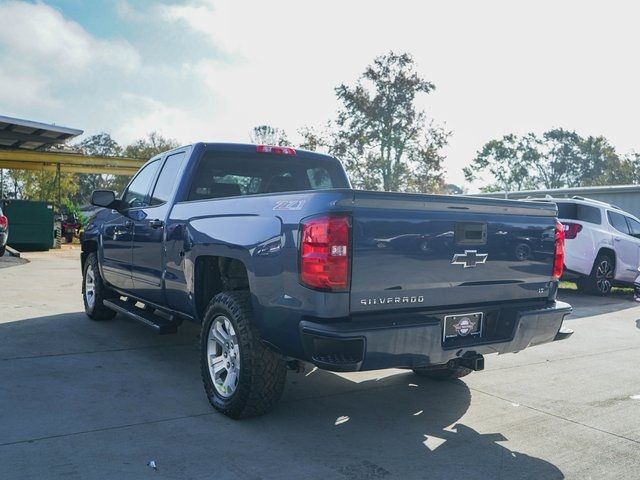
<point>106,429</point>
<point>89,352</point>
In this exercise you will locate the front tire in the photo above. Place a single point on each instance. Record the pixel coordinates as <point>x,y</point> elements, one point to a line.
<point>241,376</point>
<point>442,374</point>
<point>94,291</point>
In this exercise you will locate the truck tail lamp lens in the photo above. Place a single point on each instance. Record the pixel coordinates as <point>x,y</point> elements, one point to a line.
<point>571,230</point>
<point>324,252</point>
<point>558,261</point>
<point>275,149</point>
<point>4,222</point>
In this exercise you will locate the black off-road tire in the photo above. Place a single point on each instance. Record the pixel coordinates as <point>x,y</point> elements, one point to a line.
<point>442,374</point>
<point>595,284</point>
<point>262,371</point>
<point>97,311</point>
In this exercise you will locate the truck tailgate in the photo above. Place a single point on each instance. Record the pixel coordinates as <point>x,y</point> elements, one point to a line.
<point>423,251</point>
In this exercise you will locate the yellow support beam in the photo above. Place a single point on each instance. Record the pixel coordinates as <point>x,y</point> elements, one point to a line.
<point>51,167</point>
<point>30,156</point>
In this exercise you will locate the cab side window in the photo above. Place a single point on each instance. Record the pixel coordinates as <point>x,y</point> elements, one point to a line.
<point>137,194</point>
<point>167,179</point>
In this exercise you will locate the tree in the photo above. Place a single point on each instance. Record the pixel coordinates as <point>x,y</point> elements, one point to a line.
<point>508,161</point>
<point>383,140</point>
<point>625,172</point>
<point>559,163</point>
<point>153,144</point>
<point>268,135</point>
<point>559,158</point>
<point>43,186</point>
<point>102,145</point>
<point>598,157</point>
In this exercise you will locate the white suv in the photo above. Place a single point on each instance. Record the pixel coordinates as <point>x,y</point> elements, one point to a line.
<point>602,243</point>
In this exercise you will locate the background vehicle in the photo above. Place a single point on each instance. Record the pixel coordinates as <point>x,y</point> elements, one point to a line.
<point>602,246</point>
<point>280,261</point>
<point>69,226</point>
<point>4,233</point>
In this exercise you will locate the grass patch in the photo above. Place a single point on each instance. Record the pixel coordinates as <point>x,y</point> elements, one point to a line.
<point>615,291</point>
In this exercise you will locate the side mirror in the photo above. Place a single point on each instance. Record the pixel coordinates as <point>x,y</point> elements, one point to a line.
<point>107,199</point>
<point>103,198</point>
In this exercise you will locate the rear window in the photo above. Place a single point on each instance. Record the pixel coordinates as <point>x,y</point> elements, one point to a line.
<point>576,211</point>
<point>222,174</point>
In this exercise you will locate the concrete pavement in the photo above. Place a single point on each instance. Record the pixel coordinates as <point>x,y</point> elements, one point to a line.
<point>83,399</point>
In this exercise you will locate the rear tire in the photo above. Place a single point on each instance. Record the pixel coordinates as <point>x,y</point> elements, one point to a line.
<point>601,278</point>
<point>442,374</point>
<point>2,251</point>
<point>94,291</point>
<point>241,376</point>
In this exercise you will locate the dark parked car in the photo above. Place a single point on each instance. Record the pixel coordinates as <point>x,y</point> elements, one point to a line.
<point>4,233</point>
<point>280,261</point>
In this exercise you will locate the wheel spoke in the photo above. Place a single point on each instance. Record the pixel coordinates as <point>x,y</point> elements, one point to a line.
<point>218,334</point>
<point>216,362</point>
<point>230,381</point>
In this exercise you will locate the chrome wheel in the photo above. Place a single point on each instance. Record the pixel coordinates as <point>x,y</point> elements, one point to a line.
<point>223,354</point>
<point>90,287</point>
<point>604,275</point>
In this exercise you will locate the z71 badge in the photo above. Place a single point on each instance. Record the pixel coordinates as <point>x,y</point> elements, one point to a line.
<point>289,205</point>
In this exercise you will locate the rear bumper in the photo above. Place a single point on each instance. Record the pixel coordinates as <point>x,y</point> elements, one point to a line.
<point>416,340</point>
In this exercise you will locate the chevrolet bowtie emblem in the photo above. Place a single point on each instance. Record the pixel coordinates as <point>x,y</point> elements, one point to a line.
<point>470,258</point>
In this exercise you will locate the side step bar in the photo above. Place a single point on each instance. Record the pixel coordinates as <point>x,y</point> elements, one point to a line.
<point>160,325</point>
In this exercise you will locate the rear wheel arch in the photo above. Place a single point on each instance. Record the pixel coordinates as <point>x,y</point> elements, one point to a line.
<point>215,274</point>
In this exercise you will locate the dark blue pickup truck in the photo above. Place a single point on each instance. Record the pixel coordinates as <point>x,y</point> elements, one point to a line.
<point>281,261</point>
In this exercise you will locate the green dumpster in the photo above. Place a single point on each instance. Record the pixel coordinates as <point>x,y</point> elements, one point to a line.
<point>30,224</point>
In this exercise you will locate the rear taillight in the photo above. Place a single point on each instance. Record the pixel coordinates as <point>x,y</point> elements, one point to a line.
<point>558,260</point>
<point>571,230</point>
<point>275,149</point>
<point>4,222</point>
<point>324,252</point>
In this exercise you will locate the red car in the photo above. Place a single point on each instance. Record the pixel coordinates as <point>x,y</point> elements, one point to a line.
<point>4,232</point>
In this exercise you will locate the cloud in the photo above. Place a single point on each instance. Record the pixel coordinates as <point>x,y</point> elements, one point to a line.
<point>40,34</point>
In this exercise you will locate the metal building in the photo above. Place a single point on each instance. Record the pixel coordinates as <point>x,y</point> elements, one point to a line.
<point>627,197</point>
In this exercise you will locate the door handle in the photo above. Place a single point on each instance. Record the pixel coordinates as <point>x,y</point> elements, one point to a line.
<point>156,223</point>
<point>128,223</point>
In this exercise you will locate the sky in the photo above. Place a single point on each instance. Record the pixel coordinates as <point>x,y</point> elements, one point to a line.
<point>211,70</point>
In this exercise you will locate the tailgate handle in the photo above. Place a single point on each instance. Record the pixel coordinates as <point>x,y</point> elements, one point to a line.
<point>470,233</point>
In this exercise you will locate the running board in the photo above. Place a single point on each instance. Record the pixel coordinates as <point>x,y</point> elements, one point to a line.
<point>160,325</point>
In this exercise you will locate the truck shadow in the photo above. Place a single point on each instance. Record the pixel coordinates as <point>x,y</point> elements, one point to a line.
<point>389,424</point>
<point>415,424</point>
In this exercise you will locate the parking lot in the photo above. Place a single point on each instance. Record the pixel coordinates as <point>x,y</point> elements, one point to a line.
<point>83,399</point>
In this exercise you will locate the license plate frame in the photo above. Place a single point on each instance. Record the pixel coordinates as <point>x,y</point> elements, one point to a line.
<point>454,326</point>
